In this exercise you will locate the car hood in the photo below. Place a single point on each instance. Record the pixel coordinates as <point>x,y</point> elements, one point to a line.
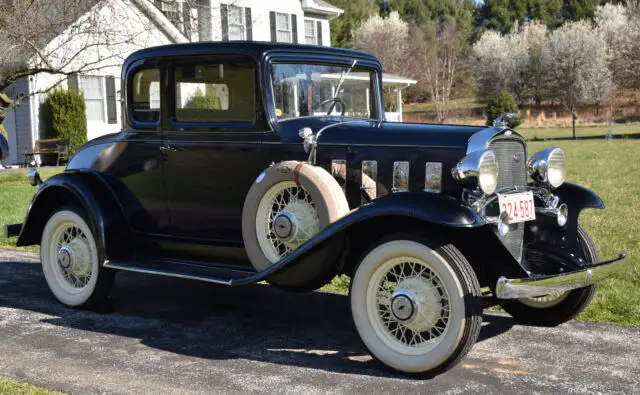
<point>393,134</point>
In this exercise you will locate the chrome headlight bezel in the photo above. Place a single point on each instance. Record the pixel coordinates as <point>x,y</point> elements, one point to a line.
<point>548,167</point>
<point>479,171</point>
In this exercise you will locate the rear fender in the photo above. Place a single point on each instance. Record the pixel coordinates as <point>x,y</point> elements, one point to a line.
<point>90,192</point>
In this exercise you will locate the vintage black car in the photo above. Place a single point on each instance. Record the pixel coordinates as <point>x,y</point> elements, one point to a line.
<point>241,162</point>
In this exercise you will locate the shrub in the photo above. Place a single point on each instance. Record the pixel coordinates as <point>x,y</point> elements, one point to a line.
<point>204,101</point>
<point>66,116</point>
<point>502,103</point>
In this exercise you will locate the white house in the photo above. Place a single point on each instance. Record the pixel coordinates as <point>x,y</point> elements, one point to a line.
<point>136,24</point>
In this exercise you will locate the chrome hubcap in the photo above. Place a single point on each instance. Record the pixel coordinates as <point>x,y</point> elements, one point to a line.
<point>403,306</point>
<point>64,257</point>
<point>284,226</point>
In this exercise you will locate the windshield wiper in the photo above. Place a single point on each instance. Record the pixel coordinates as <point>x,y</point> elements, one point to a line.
<point>343,76</point>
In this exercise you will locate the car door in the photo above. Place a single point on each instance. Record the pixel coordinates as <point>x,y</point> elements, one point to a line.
<point>132,163</point>
<point>212,146</point>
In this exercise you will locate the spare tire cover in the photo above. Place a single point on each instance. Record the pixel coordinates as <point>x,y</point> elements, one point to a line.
<point>276,193</point>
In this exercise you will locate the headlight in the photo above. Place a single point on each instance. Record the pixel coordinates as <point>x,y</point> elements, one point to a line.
<point>548,166</point>
<point>478,169</point>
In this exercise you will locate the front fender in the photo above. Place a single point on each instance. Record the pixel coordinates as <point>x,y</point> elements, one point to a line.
<point>89,192</point>
<point>438,210</point>
<point>562,242</point>
<point>578,197</point>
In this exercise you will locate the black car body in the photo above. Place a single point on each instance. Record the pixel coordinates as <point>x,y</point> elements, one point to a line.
<point>166,194</point>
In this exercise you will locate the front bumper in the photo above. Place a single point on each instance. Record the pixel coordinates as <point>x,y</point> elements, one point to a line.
<point>540,286</point>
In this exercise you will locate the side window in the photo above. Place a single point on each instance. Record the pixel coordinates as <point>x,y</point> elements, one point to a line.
<point>222,92</point>
<point>146,95</point>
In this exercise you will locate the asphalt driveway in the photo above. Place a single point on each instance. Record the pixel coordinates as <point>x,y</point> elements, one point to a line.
<point>177,336</point>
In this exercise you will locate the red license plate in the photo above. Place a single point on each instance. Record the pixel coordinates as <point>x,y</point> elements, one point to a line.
<point>518,206</point>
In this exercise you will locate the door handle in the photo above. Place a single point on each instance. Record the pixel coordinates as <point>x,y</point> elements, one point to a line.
<point>165,149</point>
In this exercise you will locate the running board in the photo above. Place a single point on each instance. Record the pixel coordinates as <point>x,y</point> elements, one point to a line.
<point>231,277</point>
<point>215,275</point>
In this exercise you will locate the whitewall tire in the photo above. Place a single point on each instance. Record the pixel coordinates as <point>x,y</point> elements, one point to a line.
<point>416,307</point>
<point>71,260</point>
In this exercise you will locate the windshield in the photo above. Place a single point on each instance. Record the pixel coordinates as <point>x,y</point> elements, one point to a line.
<point>302,90</point>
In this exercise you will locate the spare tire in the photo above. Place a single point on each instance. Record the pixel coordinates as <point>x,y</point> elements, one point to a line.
<point>288,204</point>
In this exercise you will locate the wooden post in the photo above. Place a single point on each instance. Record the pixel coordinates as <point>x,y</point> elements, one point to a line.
<point>573,118</point>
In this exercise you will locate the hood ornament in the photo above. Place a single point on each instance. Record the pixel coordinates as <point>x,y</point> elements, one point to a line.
<point>503,120</point>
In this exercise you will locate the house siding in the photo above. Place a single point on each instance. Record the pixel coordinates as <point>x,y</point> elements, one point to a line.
<point>261,30</point>
<point>18,124</point>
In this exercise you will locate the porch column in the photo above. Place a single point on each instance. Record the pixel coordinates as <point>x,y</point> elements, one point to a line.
<point>399,102</point>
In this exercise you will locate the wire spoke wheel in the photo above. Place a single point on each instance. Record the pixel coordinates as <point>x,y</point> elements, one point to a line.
<point>412,303</point>
<point>287,217</point>
<point>545,301</point>
<point>417,308</point>
<point>72,254</point>
<point>70,260</point>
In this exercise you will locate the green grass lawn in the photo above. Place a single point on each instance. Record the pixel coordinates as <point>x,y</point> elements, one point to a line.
<point>545,133</point>
<point>10,387</point>
<point>15,196</point>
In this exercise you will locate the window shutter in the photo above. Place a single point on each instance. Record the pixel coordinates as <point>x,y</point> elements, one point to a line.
<point>225,22</point>
<point>294,28</point>
<point>319,32</point>
<point>272,22</point>
<point>248,22</point>
<point>72,81</point>
<point>112,113</point>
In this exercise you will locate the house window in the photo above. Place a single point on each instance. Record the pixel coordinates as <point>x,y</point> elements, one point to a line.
<point>283,27</point>
<point>310,32</point>
<point>236,23</point>
<point>94,97</point>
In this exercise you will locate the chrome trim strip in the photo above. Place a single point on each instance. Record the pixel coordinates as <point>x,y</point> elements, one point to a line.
<point>433,177</point>
<point>369,179</point>
<point>139,269</point>
<point>400,177</point>
<point>339,172</point>
<point>532,287</point>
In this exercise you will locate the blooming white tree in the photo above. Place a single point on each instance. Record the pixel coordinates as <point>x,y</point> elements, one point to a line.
<point>386,38</point>
<point>487,60</point>
<point>389,40</point>
<point>580,72</point>
<point>517,62</point>
<point>537,39</point>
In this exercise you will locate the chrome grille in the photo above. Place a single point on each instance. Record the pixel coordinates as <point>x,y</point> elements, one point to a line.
<point>511,156</point>
<point>511,171</point>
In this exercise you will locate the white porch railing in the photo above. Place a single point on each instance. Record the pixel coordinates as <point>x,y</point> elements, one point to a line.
<point>393,116</point>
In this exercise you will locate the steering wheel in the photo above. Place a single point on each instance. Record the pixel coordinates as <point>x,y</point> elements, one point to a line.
<point>333,100</point>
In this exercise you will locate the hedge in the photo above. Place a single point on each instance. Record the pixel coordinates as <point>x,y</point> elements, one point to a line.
<point>66,116</point>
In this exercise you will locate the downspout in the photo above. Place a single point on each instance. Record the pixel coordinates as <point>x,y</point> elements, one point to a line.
<point>160,20</point>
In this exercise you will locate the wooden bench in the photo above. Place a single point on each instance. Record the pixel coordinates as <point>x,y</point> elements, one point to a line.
<point>58,147</point>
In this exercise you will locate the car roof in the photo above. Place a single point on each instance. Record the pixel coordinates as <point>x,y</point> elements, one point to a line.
<point>259,48</point>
